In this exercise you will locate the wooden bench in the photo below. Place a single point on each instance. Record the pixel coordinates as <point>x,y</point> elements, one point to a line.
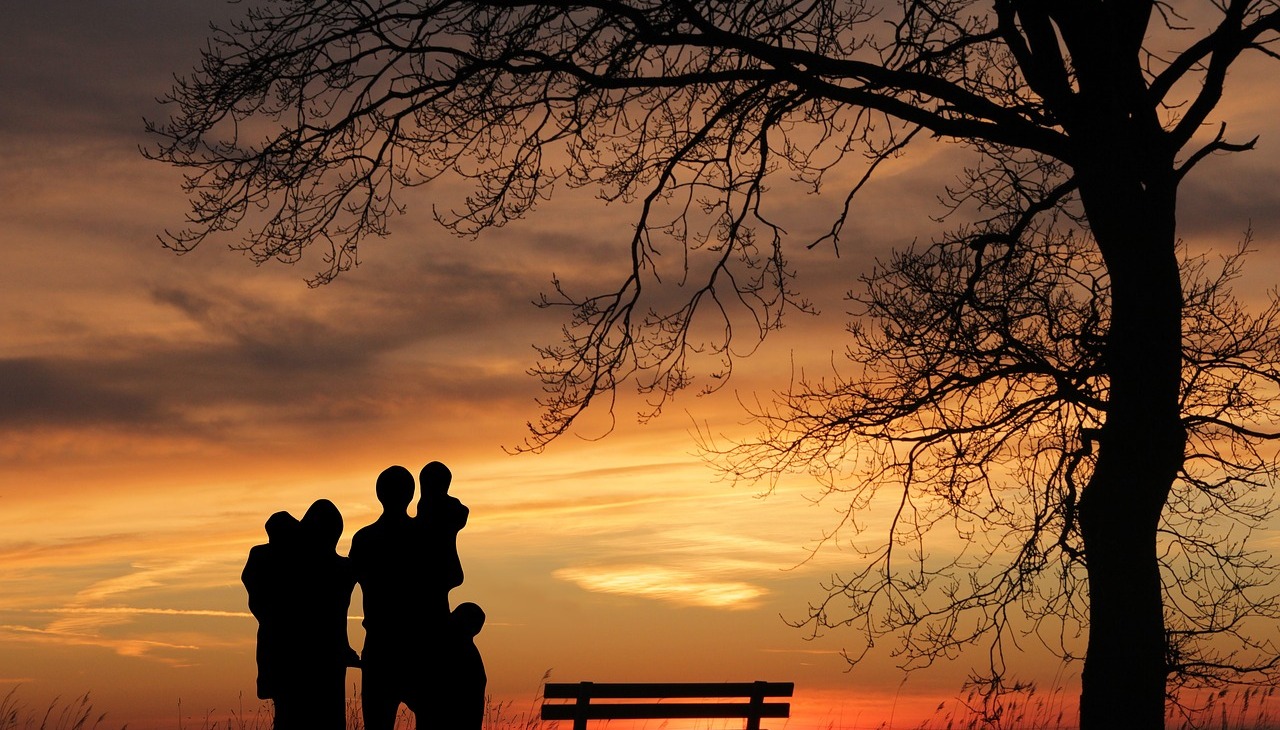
<point>697,702</point>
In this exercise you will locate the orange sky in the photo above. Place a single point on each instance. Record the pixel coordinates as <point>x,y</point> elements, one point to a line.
<point>155,409</point>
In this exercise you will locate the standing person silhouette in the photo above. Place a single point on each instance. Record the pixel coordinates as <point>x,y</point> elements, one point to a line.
<point>380,553</point>
<point>326,580</point>
<point>267,577</point>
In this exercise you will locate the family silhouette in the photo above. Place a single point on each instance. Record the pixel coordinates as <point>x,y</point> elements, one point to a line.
<point>417,650</point>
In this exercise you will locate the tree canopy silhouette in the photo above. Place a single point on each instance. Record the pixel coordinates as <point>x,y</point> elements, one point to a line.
<point>1057,379</point>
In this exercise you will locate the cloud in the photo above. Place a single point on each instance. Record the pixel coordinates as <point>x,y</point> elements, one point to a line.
<point>1228,197</point>
<point>674,585</point>
<point>122,629</point>
<point>140,578</point>
<point>125,646</point>
<point>835,652</point>
<point>136,611</point>
<point>112,627</point>
<point>585,506</point>
<point>55,95</point>
<point>50,391</point>
<point>238,358</point>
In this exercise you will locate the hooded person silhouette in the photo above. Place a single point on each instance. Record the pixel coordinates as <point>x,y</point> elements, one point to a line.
<point>326,581</point>
<point>300,589</point>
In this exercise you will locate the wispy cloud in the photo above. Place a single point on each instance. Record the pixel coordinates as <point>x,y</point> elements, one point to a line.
<point>138,611</point>
<point>666,584</point>
<point>128,646</point>
<point>824,652</point>
<point>97,614</point>
<point>141,578</point>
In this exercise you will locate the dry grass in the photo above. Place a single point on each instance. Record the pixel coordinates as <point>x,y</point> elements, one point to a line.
<point>1251,708</point>
<point>497,716</point>
<point>1244,709</point>
<point>74,715</point>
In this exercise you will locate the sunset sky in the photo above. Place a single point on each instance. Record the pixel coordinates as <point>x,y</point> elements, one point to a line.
<point>155,409</point>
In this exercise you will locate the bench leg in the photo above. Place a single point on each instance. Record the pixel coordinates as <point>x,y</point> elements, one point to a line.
<point>580,708</point>
<point>757,706</point>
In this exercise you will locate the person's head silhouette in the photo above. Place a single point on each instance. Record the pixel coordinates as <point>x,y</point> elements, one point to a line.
<point>281,528</point>
<point>435,479</point>
<point>323,523</point>
<point>395,489</point>
<point>467,619</point>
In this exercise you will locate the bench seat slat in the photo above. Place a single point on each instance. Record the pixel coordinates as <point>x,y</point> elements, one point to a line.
<point>642,690</point>
<point>659,710</point>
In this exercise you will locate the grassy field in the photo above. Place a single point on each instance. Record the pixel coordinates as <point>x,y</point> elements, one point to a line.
<point>1242,709</point>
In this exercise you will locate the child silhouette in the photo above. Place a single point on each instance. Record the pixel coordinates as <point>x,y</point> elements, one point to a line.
<point>460,680</point>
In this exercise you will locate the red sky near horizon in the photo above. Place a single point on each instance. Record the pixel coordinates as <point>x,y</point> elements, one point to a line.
<point>156,409</point>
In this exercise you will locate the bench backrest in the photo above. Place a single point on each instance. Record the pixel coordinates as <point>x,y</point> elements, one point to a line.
<point>583,708</point>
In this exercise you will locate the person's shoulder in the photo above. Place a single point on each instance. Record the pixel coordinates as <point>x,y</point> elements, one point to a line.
<point>376,526</point>
<point>362,535</point>
<point>377,531</point>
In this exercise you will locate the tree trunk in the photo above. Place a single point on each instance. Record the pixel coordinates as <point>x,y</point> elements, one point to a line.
<point>1140,450</point>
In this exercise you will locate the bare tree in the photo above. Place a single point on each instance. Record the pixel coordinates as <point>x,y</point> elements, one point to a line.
<point>977,394</point>
<point>1060,349</point>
